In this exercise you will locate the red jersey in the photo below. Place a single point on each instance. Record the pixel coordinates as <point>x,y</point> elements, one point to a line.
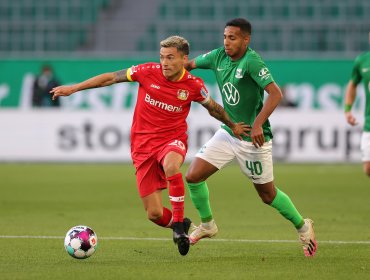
<point>162,106</point>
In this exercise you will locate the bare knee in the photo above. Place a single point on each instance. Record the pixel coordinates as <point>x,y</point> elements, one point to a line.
<point>199,171</point>
<point>171,169</point>
<point>367,169</point>
<point>267,198</point>
<point>172,163</point>
<point>266,192</point>
<point>191,177</point>
<point>154,214</point>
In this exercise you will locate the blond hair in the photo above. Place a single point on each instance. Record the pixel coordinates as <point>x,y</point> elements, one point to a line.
<point>178,42</point>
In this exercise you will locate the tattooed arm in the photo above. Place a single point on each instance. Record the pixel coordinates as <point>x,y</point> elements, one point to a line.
<point>101,80</point>
<point>218,112</point>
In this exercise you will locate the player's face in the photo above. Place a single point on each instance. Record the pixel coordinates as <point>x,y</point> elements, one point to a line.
<point>172,62</point>
<point>235,42</point>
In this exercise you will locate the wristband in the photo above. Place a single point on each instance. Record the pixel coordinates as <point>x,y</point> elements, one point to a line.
<point>347,108</point>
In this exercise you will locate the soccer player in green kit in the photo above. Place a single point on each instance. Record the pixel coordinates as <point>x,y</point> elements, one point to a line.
<point>242,77</point>
<point>360,72</point>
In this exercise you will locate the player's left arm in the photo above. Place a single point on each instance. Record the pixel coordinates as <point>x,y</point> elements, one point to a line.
<point>218,112</point>
<point>350,97</point>
<point>273,99</point>
<point>350,94</point>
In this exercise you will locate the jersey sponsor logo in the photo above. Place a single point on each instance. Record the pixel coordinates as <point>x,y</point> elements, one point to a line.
<point>231,93</point>
<point>204,92</point>
<point>238,74</point>
<point>155,86</point>
<point>182,94</point>
<point>365,70</point>
<point>162,105</point>
<point>264,74</point>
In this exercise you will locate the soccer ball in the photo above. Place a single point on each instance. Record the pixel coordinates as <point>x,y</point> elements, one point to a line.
<point>80,242</point>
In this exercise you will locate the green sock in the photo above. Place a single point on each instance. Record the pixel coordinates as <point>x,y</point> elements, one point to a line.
<point>199,195</point>
<point>285,206</point>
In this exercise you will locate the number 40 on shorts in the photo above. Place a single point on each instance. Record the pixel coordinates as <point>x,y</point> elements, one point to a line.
<point>255,167</point>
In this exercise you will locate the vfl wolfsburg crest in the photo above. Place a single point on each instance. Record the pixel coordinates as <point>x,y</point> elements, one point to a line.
<point>238,74</point>
<point>231,94</point>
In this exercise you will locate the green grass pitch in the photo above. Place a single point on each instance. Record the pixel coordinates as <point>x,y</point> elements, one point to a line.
<point>40,202</point>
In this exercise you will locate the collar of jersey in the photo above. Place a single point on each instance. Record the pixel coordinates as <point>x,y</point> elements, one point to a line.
<point>237,61</point>
<point>182,75</point>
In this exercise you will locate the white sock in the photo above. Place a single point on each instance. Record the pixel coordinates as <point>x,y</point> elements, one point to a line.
<point>304,228</point>
<point>209,224</point>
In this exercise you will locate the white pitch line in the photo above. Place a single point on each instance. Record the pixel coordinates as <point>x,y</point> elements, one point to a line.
<point>335,242</point>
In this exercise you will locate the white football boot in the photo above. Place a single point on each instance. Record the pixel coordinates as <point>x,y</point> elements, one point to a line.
<point>307,239</point>
<point>208,229</point>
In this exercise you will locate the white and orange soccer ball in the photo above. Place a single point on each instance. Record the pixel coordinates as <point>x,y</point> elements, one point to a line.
<point>81,242</point>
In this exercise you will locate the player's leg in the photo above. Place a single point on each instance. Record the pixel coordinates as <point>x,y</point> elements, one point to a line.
<point>151,180</point>
<point>280,201</point>
<point>256,164</point>
<point>365,149</point>
<point>150,183</point>
<point>286,208</point>
<point>215,154</point>
<point>155,210</point>
<point>196,176</point>
<point>172,158</point>
<point>199,170</point>
<point>172,162</point>
<point>366,166</point>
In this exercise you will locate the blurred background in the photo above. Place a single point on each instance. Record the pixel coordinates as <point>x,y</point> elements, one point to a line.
<point>309,47</point>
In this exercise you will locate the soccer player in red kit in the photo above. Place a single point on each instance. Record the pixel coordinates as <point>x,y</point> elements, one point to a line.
<point>159,129</point>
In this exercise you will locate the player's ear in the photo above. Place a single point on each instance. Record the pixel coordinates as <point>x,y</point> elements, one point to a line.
<point>185,58</point>
<point>247,38</point>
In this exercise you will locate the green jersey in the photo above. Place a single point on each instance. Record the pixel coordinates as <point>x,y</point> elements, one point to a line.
<point>361,72</point>
<point>241,84</point>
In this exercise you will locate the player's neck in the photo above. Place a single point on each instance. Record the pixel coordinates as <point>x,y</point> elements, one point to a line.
<point>178,76</point>
<point>239,55</point>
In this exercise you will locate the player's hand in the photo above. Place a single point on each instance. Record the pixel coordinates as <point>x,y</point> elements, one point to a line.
<point>258,139</point>
<point>62,91</point>
<point>241,129</point>
<point>350,118</point>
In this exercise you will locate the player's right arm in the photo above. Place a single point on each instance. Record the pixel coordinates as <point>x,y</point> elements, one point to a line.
<point>350,97</point>
<point>101,80</point>
<point>204,61</point>
<point>217,111</point>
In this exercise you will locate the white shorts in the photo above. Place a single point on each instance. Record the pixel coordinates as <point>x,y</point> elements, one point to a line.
<point>365,146</point>
<point>255,163</point>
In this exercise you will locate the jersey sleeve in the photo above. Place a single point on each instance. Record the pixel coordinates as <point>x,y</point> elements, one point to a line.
<point>259,72</point>
<point>136,72</point>
<point>131,73</point>
<point>206,61</point>
<point>356,74</point>
<point>202,92</point>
